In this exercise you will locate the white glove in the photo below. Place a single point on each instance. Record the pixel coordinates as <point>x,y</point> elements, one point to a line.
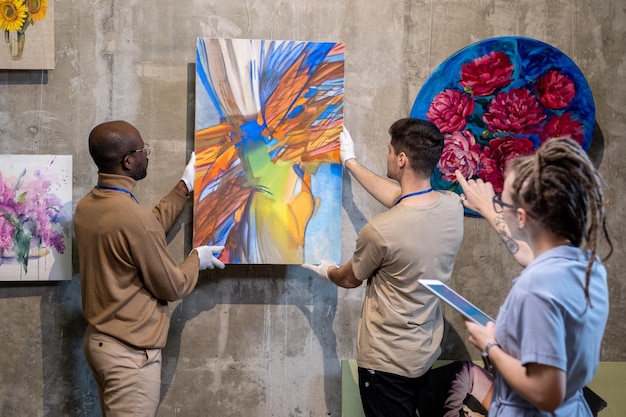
<point>346,146</point>
<point>207,255</point>
<point>189,173</point>
<point>321,269</point>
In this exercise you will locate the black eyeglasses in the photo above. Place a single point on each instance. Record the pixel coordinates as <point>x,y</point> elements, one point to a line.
<point>499,205</point>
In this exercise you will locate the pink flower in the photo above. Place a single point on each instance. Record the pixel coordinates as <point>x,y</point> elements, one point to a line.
<point>29,210</point>
<point>460,151</point>
<point>564,125</point>
<point>6,234</point>
<point>555,89</point>
<point>500,151</point>
<point>517,111</point>
<point>484,75</point>
<point>490,170</point>
<point>449,109</point>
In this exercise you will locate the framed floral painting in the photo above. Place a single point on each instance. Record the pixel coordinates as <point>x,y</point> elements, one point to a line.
<point>501,98</point>
<point>27,30</point>
<point>35,217</point>
<point>268,176</point>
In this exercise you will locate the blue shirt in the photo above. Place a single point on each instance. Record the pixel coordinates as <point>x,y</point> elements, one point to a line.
<point>546,319</point>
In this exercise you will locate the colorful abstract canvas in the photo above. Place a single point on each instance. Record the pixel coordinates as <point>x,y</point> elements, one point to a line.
<point>27,27</point>
<point>268,173</point>
<point>501,98</point>
<point>35,217</point>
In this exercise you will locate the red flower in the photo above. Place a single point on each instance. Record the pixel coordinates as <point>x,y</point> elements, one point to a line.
<point>494,158</point>
<point>449,109</point>
<point>460,151</point>
<point>490,170</point>
<point>555,89</point>
<point>516,111</point>
<point>484,75</point>
<point>564,125</point>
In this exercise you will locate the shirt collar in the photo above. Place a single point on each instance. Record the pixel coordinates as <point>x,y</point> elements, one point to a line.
<point>114,180</point>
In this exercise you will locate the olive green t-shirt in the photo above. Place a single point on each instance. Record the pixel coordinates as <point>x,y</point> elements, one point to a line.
<point>401,325</point>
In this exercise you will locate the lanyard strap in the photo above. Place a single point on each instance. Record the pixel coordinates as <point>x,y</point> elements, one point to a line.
<point>124,190</point>
<point>413,194</point>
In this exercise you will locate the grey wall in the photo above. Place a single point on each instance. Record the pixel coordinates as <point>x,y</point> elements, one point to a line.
<point>268,340</point>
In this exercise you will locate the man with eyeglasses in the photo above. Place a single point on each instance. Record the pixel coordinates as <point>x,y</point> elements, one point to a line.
<point>127,274</point>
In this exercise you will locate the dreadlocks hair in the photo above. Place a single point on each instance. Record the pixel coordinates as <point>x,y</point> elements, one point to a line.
<point>559,187</point>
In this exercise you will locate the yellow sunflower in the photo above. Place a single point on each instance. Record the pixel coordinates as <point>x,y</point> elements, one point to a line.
<point>37,9</point>
<point>12,14</point>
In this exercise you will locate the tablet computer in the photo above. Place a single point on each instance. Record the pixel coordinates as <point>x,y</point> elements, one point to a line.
<point>457,302</point>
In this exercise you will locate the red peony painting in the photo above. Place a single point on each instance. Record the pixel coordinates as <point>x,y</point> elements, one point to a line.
<point>498,99</point>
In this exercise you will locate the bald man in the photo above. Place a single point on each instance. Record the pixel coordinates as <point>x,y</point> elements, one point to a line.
<point>127,274</point>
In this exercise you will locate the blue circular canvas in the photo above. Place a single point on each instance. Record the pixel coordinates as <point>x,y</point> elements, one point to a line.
<point>501,98</point>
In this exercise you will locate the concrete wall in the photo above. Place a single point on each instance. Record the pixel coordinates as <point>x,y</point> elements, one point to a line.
<point>268,340</point>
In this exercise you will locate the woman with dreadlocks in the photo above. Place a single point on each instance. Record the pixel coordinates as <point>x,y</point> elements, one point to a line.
<point>545,343</point>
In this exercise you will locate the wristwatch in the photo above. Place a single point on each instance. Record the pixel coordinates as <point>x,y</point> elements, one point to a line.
<point>485,355</point>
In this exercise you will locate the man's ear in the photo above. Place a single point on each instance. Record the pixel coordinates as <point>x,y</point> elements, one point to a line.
<point>126,162</point>
<point>402,160</point>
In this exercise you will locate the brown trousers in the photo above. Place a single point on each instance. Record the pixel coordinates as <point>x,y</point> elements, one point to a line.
<point>129,379</point>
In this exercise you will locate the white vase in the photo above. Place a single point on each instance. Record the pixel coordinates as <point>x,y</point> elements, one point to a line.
<point>15,42</point>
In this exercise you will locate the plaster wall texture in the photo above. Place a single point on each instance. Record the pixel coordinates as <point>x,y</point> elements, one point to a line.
<point>268,340</point>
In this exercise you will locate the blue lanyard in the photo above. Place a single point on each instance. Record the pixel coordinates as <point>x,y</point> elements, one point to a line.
<point>124,190</point>
<point>413,194</point>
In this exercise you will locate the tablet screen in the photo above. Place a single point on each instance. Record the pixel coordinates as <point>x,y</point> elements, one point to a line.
<point>459,303</point>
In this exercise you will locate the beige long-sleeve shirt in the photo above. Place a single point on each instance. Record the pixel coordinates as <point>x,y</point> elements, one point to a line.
<point>127,274</point>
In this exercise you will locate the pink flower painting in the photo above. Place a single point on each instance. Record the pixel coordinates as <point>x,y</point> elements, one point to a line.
<point>35,217</point>
<point>501,98</point>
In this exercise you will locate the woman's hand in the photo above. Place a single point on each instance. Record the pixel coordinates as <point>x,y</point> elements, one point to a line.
<point>477,195</point>
<point>481,335</point>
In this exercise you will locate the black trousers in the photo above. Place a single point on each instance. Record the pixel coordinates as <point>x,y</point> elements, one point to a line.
<point>389,395</point>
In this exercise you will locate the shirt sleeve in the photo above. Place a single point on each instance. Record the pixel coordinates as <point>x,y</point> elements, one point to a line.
<point>160,274</point>
<point>369,254</point>
<point>169,208</point>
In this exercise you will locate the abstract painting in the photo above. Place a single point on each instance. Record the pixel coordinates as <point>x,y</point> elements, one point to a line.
<point>35,217</point>
<point>27,27</point>
<point>268,172</point>
<point>501,98</point>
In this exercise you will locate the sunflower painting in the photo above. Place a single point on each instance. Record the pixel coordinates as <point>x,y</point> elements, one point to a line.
<point>268,173</point>
<point>27,27</point>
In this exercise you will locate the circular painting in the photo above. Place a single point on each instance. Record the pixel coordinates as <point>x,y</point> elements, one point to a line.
<point>501,98</point>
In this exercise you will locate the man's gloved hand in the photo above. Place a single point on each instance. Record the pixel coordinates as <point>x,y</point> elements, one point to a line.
<point>207,255</point>
<point>189,173</point>
<point>321,269</point>
<point>346,150</point>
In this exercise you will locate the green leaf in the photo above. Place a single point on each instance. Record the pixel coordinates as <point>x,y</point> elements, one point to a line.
<point>22,244</point>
